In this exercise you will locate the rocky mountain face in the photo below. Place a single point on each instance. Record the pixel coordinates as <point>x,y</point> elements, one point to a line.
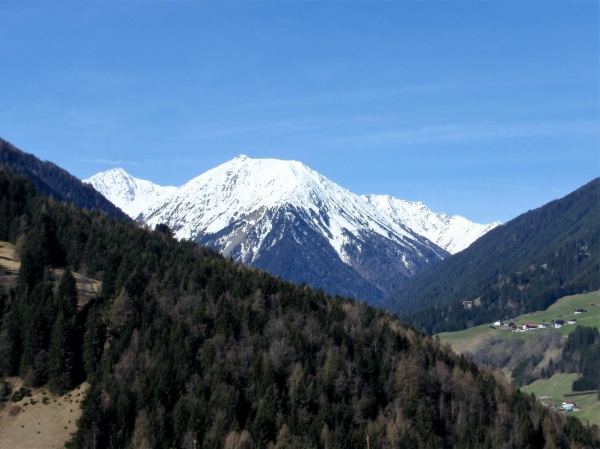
<point>283,217</point>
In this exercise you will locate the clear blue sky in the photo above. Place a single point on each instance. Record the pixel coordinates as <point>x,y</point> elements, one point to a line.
<point>484,109</point>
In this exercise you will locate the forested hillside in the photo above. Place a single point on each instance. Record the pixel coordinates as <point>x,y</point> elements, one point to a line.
<point>51,180</point>
<point>523,266</point>
<point>581,354</point>
<point>184,345</point>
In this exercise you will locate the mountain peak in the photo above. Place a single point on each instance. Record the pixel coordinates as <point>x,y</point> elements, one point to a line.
<point>132,195</point>
<point>114,170</point>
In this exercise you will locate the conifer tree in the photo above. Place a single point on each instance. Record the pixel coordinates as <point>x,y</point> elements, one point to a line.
<point>34,342</point>
<point>93,342</point>
<point>66,295</point>
<point>11,342</point>
<point>60,363</point>
<point>34,258</point>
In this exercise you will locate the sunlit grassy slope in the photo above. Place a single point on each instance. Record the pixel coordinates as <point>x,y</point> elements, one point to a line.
<point>470,339</point>
<point>555,388</point>
<point>40,421</point>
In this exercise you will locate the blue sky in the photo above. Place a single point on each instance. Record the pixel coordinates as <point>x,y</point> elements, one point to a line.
<point>485,109</point>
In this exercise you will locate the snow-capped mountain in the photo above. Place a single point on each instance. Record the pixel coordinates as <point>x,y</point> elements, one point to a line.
<point>245,188</point>
<point>283,217</point>
<point>289,219</point>
<point>451,233</point>
<point>130,194</point>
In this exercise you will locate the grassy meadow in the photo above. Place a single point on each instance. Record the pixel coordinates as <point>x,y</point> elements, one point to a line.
<point>469,340</point>
<point>555,389</point>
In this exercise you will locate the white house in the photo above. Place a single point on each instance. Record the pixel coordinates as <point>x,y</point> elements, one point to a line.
<point>568,405</point>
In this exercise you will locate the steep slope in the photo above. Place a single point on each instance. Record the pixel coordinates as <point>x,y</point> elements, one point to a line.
<point>184,348</point>
<point>522,266</point>
<point>53,181</point>
<point>131,195</point>
<point>267,212</point>
<point>451,233</point>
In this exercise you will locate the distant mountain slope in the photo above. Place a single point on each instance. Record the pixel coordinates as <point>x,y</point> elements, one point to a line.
<point>451,233</point>
<point>131,195</point>
<point>289,219</point>
<point>51,180</point>
<point>522,266</point>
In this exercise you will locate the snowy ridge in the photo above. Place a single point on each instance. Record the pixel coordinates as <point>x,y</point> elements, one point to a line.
<point>130,194</point>
<point>451,233</point>
<point>246,192</point>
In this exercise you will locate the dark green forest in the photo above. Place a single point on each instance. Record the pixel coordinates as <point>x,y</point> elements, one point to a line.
<point>523,266</point>
<point>184,345</point>
<point>581,354</point>
<point>51,180</point>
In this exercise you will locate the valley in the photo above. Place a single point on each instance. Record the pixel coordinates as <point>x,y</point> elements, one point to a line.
<point>506,350</point>
<point>300,224</point>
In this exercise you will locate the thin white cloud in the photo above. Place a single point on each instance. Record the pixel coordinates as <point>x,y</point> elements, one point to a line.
<point>465,132</point>
<point>348,97</point>
<point>513,187</point>
<point>110,162</point>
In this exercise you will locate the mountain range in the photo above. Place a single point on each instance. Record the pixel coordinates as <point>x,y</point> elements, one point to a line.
<point>182,347</point>
<point>283,217</point>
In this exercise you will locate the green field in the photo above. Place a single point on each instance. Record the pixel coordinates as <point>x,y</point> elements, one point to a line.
<point>557,386</point>
<point>470,339</point>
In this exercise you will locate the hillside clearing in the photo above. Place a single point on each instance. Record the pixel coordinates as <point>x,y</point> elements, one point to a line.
<point>31,423</point>
<point>9,267</point>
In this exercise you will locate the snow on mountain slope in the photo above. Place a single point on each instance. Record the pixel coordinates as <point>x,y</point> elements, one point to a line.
<point>251,189</point>
<point>130,194</point>
<point>283,217</point>
<point>451,233</point>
